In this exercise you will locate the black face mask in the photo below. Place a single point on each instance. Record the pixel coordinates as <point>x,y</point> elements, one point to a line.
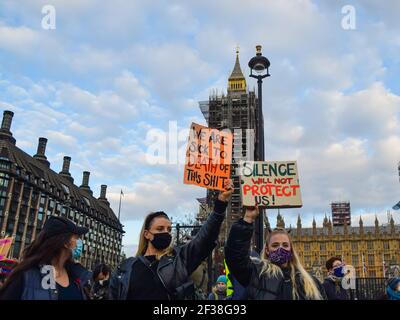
<point>161,241</point>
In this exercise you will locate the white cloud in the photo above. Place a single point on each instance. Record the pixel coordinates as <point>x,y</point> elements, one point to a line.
<point>171,68</point>
<point>330,102</point>
<point>19,40</point>
<point>348,150</point>
<point>16,92</point>
<point>128,86</point>
<point>91,133</point>
<point>157,191</point>
<point>61,140</point>
<point>107,104</point>
<point>91,59</point>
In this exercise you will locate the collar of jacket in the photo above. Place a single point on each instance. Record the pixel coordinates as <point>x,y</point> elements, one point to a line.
<point>127,265</point>
<point>334,279</point>
<point>77,271</point>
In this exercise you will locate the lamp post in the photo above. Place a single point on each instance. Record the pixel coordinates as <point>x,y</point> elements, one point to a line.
<point>260,65</point>
<point>397,205</point>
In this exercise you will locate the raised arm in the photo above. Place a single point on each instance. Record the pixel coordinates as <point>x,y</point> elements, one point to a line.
<point>237,249</point>
<point>195,251</point>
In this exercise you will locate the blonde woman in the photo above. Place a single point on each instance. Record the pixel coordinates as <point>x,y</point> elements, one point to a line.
<point>278,275</point>
<point>162,272</point>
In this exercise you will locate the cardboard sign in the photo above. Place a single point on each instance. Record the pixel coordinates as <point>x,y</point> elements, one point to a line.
<point>270,184</point>
<point>5,245</point>
<point>208,157</point>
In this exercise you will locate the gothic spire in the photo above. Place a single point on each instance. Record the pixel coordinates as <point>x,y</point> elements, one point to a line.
<point>237,81</point>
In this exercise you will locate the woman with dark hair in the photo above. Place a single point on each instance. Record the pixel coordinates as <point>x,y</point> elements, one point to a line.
<point>47,270</point>
<point>160,271</point>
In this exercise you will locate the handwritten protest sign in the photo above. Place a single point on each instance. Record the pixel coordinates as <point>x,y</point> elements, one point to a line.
<point>5,245</point>
<point>270,184</point>
<point>208,157</point>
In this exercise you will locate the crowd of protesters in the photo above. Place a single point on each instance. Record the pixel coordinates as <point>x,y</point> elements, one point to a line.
<point>50,268</point>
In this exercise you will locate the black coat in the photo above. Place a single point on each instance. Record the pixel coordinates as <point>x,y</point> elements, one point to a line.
<point>335,291</point>
<point>174,271</point>
<point>98,291</point>
<point>247,271</point>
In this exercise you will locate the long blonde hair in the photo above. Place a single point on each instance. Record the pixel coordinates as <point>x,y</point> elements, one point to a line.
<point>144,243</point>
<point>272,270</point>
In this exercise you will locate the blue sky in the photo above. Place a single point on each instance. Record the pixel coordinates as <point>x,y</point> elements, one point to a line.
<point>113,71</point>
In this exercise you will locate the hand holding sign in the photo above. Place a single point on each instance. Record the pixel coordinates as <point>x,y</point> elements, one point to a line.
<point>226,195</point>
<point>5,245</point>
<point>270,184</point>
<point>251,214</point>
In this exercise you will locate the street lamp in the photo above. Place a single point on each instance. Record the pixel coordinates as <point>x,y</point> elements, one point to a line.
<point>397,205</point>
<point>260,65</point>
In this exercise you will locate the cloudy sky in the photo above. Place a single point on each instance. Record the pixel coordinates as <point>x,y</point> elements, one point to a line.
<point>114,73</point>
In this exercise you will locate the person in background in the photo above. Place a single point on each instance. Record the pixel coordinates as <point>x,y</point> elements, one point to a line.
<point>238,292</point>
<point>393,289</point>
<point>99,285</point>
<point>47,270</point>
<point>219,291</point>
<point>333,282</point>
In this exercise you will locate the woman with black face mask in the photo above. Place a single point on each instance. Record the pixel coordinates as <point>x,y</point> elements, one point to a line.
<point>160,271</point>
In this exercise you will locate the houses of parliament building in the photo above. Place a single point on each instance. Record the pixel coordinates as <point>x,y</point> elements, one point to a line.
<point>374,251</point>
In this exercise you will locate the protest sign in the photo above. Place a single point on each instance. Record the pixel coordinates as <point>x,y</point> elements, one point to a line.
<point>5,245</point>
<point>270,184</point>
<point>208,157</point>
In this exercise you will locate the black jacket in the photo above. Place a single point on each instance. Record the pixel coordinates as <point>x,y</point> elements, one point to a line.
<point>174,271</point>
<point>98,291</point>
<point>335,291</point>
<point>247,271</point>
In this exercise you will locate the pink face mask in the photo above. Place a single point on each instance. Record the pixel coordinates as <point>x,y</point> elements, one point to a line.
<point>280,256</point>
